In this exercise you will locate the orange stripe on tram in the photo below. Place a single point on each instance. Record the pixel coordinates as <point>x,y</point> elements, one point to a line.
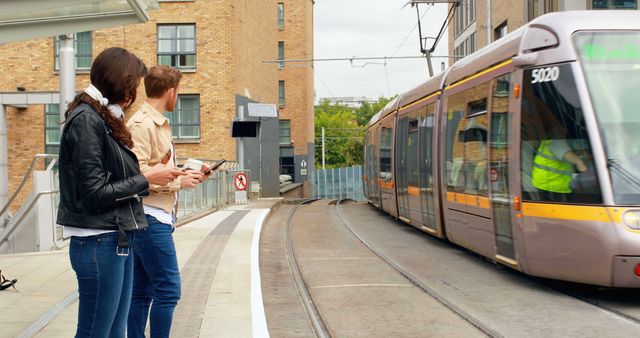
<point>413,191</point>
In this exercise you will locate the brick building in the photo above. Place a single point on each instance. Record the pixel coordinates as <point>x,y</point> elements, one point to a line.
<point>220,47</point>
<point>470,30</point>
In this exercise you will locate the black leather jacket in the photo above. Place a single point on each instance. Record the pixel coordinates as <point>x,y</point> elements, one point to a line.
<point>100,180</point>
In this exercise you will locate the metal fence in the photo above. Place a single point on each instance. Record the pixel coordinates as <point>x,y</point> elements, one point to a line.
<point>339,183</point>
<point>215,192</point>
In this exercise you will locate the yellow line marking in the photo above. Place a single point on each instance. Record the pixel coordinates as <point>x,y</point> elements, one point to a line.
<point>478,75</point>
<point>420,100</point>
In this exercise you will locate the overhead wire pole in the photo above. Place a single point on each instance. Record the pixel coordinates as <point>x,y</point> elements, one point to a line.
<point>423,49</point>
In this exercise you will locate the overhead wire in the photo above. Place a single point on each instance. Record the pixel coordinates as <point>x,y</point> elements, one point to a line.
<point>322,81</point>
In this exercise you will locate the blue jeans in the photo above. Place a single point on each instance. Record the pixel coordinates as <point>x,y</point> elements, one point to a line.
<point>104,284</point>
<point>156,278</point>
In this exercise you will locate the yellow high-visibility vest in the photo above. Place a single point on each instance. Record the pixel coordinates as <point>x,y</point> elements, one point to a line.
<point>549,173</point>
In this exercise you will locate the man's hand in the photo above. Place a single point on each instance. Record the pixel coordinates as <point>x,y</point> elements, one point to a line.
<point>191,179</point>
<point>160,174</point>
<point>581,166</point>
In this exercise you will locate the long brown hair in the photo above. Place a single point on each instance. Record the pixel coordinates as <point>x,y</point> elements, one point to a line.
<point>116,73</point>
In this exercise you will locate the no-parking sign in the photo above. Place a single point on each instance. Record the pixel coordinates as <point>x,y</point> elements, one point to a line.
<point>240,182</point>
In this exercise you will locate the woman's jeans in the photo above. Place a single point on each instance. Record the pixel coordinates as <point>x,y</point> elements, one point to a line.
<point>104,284</point>
<point>156,278</point>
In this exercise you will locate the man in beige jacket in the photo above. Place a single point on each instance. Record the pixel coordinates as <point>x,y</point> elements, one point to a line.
<point>156,277</point>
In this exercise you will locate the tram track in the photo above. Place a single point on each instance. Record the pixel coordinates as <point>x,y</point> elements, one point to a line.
<point>319,327</point>
<point>431,291</point>
<point>590,294</point>
<point>544,307</point>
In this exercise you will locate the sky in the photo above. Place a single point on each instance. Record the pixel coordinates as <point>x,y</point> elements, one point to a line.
<point>361,28</point>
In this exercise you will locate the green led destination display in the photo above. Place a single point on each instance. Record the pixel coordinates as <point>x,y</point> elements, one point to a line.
<point>608,46</point>
<point>594,52</point>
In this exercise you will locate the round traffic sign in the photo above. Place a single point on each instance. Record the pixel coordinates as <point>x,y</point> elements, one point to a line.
<point>240,181</point>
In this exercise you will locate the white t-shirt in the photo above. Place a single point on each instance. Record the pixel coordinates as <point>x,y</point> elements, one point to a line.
<point>160,214</point>
<point>68,231</point>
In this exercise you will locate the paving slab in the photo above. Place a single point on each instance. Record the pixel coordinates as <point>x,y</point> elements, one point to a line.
<point>44,279</point>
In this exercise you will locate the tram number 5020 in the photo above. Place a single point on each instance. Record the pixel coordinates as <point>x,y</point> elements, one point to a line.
<point>545,74</point>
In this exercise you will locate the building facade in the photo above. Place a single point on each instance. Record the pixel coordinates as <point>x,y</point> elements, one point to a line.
<point>296,91</point>
<point>477,23</point>
<point>220,46</point>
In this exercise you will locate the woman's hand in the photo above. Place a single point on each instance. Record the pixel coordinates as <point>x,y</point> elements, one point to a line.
<point>160,174</point>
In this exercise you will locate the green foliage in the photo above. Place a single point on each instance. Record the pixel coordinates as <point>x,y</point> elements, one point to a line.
<point>368,109</point>
<point>345,129</point>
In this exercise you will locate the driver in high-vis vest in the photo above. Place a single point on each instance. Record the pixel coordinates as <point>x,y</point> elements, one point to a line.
<point>553,169</point>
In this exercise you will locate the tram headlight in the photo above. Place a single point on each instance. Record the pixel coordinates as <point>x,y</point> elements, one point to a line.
<point>632,219</point>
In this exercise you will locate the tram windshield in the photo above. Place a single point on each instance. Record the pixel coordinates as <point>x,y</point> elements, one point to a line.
<point>611,63</point>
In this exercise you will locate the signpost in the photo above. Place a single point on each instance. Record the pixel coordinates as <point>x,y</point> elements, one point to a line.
<point>241,181</point>
<point>303,168</point>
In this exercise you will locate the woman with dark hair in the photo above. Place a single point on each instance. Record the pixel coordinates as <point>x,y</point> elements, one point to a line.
<point>100,190</point>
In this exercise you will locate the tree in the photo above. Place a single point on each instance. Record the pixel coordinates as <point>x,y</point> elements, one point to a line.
<point>341,131</point>
<point>345,128</point>
<point>367,110</point>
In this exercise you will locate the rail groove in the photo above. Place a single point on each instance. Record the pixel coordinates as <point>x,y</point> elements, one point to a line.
<point>316,320</point>
<point>421,284</point>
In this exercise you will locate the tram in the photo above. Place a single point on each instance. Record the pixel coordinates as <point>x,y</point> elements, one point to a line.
<point>526,152</point>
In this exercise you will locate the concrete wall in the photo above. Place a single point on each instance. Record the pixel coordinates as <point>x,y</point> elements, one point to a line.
<point>259,152</point>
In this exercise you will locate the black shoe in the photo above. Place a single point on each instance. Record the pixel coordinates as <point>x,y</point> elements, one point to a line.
<point>5,283</point>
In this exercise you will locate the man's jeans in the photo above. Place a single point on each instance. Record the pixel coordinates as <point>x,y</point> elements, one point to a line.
<point>104,284</point>
<point>156,277</point>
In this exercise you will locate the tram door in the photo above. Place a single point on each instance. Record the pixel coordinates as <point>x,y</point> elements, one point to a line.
<point>408,190</point>
<point>499,168</point>
<point>375,168</point>
<point>386,179</point>
<point>425,160</point>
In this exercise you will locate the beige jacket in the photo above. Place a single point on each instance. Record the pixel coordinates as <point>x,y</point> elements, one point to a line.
<point>151,135</point>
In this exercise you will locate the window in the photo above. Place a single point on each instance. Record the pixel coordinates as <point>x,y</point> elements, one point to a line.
<point>385,153</point>
<point>280,15</point>
<point>281,93</point>
<point>614,4</point>
<point>612,75</point>
<point>556,157</point>
<point>467,47</point>
<point>177,46</point>
<point>285,132</point>
<point>185,119</point>
<point>287,162</point>
<point>83,46</point>
<point>281,54</point>
<point>466,141</point>
<point>51,128</point>
<point>465,15</point>
<point>535,8</point>
<point>500,31</point>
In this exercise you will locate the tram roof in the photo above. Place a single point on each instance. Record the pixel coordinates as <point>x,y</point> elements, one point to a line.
<point>427,88</point>
<point>550,33</point>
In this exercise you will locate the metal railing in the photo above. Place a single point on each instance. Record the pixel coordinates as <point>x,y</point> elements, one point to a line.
<point>339,183</point>
<point>26,177</point>
<point>217,191</point>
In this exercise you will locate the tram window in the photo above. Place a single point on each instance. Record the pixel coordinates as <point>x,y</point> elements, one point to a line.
<point>557,162</point>
<point>454,142</point>
<point>412,153</point>
<point>466,152</point>
<point>499,140</point>
<point>385,153</point>
<point>475,154</point>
